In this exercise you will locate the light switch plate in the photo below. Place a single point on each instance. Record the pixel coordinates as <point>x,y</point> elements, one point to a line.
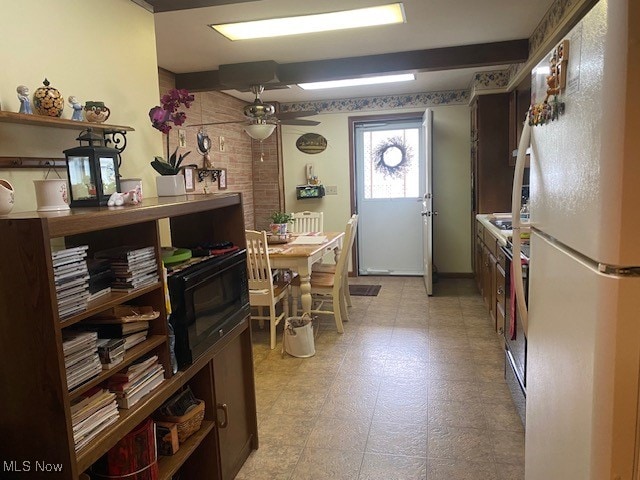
<point>182,138</point>
<point>222,144</point>
<point>331,190</point>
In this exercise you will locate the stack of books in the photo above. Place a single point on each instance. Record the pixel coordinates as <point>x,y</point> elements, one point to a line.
<point>80,357</point>
<point>133,267</point>
<point>71,278</point>
<point>91,414</point>
<point>100,277</point>
<point>135,382</point>
<point>126,323</point>
<point>111,352</point>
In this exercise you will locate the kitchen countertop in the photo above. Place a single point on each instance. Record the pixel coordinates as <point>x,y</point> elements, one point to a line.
<point>503,236</point>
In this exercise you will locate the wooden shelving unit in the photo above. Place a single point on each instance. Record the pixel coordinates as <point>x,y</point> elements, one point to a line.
<point>36,406</point>
<point>55,122</point>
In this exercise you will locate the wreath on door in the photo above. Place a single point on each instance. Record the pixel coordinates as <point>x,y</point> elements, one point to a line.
<point>392,157</point>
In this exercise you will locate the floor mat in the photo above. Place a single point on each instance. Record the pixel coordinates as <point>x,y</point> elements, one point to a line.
<point>364,290</point>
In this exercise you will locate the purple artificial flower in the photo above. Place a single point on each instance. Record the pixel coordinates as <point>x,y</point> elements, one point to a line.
<point>161,115</point>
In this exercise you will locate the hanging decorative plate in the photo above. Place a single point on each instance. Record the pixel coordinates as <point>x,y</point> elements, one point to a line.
<point>311,143</point>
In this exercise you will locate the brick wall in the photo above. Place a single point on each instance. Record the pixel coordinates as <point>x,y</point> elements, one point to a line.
<point>260,183</point>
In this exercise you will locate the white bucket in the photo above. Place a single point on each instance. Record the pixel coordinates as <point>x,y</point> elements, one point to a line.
<point>128,184</point>
<point>298,341</point>
<point>51,194</point>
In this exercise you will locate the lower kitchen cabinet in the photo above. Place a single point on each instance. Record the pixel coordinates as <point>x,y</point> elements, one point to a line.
<point>227,385</point>
<point>235,403</point>
<point>490,274</point>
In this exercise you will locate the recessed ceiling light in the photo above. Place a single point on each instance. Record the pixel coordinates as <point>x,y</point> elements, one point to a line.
<point>321,22</point>
<point>352,82</point>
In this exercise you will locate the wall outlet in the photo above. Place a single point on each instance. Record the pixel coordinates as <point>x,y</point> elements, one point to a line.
<point>223,146</point>
<point>330,190</point>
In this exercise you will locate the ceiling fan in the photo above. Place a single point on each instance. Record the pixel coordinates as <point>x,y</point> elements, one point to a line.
<point>261,113</point>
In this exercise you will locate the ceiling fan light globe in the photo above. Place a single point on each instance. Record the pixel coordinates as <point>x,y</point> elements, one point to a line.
<point>259,131</point>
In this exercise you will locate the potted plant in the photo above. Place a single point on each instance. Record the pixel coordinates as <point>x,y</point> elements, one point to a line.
<point>171,181</point>
<point>279,222</point>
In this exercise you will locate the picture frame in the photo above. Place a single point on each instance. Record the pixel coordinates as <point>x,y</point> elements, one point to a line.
<point>222,179</point>
<point>189,178</point>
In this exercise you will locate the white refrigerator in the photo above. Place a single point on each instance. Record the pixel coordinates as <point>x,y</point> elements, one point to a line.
<point>583,320</point>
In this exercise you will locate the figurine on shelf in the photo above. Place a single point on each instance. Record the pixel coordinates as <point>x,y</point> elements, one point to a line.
<point>23,96</point>
<point>77,109</point>
<point>125,198</point>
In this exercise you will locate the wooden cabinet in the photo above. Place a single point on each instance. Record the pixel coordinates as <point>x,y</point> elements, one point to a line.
<point>36,418</point>
<point>490,275</point>
<point>492,177</point>
<point>234,397</point>
<point>519,102</point>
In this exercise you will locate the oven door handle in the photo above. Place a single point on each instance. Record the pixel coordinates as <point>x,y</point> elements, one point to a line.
<point>516,200</point>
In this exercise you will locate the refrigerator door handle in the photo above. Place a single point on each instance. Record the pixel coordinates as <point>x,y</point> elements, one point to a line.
<point>516,204</point>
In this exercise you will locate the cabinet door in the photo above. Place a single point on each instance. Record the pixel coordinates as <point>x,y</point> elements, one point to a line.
<point>486,276</point>
<point>235,403</point>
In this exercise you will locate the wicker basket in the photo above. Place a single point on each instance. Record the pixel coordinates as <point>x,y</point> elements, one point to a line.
<point>187,424</point>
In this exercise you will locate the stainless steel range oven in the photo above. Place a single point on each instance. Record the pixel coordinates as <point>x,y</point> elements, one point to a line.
<point>515,339</point>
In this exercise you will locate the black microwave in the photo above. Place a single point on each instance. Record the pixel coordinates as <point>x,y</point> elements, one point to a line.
<point>208,299</point>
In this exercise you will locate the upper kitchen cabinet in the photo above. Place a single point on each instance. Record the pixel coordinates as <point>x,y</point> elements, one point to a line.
<point>492,176</point>
<point>519,102</point>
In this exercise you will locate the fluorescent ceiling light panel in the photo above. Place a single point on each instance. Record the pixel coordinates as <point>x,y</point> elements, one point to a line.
<point>321,22</point>
<point>353,82</point>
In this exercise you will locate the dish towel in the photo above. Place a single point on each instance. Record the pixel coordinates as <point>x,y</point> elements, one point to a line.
<point>513,310</point>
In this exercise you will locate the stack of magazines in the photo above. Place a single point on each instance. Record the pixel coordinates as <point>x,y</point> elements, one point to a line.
<point>71,278</point>
<point>135,382</point>
<point>80,357</point>
<point>91,414</point>
<point>133,267</point>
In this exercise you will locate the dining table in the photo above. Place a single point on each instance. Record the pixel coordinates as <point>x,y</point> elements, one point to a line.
<point>300,252</point>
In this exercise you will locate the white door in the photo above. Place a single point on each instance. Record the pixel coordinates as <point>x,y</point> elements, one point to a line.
<point>390,179</point>
<point>427,203</point>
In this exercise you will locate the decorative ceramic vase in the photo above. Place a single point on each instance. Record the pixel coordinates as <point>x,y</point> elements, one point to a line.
<point>170,185</point>
<point>7,197</point>
<point>51,195</point>
<point>96,112</point>
<point>278,229</point>
<point>48,101</point>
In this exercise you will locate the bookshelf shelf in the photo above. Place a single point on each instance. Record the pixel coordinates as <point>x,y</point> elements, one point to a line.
<point>110,300</point>
<point>168,466</point>
<point>129,357</point>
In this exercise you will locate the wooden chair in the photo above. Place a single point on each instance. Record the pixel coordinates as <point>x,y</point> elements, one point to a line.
<point>331,268</point>
<point>305,222</point>
<point>262,290</point>
<point>329,287</point>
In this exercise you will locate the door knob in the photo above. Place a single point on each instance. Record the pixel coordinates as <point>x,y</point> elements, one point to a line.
<point>435,214</point>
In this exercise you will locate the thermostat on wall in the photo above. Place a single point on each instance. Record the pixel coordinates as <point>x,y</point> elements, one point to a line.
<point>309,191</point>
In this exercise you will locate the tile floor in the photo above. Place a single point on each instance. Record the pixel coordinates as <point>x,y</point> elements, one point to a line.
<point>413,389</point>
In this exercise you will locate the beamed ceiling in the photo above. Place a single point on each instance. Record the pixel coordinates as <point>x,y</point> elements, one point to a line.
<point>443,42</point>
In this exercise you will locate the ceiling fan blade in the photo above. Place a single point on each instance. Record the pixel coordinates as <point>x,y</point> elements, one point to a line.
<point>216,123</point>
<point>299,121</point>
<point>286,115</point>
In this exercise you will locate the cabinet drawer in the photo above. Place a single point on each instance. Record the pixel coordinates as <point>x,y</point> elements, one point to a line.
<point>490,241</point>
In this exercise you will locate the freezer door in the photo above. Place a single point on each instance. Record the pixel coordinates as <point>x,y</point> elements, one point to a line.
<point>582,369</point>
<point>585,178</point>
